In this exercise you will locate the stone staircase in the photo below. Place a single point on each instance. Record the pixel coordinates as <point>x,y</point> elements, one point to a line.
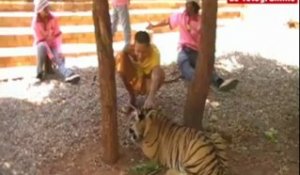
<point>76,22</point>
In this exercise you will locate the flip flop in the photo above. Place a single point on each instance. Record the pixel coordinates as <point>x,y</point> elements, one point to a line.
<point>127,109</point>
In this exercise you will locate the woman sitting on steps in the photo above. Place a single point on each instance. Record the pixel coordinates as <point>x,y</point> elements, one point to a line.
<point>48,41</point>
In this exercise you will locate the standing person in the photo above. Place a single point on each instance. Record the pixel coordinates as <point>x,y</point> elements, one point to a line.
<point>140,70</point>
<point>48,41</point>
<point>121,15</point>
<point>189,24</point>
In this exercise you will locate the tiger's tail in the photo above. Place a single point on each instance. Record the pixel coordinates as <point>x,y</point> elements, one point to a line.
<point>221,146</point>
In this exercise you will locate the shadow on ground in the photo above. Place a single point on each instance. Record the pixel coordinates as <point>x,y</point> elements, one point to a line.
<point>54,128</point>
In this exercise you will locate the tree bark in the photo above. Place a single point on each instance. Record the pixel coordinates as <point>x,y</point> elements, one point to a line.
<point>199,87</point>
<point>106,65</point>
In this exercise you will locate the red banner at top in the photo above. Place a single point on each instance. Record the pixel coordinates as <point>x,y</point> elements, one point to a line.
<point>262,1</point>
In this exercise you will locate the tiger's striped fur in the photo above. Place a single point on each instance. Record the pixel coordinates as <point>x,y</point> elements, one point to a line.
<point>179,148</point>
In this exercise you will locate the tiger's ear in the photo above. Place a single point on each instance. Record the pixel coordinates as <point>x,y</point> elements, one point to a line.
<point>138,113</point>
<point>135,112</point>
<point>141,115</point>
<point>148,112</point>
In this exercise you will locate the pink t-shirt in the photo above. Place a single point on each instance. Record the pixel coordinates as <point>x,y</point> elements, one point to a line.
<point>117,3</point>
<point>50,33</point>
<point>189,29</point>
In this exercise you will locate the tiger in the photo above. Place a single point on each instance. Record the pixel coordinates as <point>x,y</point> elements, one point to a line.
<point>182,149</point>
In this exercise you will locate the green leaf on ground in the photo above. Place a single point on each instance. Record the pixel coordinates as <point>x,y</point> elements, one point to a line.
<point>145,169</point>
<point>272,135</point>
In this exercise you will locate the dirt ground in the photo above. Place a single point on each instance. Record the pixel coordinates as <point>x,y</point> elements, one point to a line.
<point>53,128</point>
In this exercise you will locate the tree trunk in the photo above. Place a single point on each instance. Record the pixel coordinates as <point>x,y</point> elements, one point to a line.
<point>106,66</point>
<point>199,87</point>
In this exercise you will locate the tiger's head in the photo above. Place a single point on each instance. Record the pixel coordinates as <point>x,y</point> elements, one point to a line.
<point>140,126</point>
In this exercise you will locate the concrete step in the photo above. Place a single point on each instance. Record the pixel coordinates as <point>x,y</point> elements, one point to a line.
<point>165,40</point>
<point>9,6</point>
<point>20,56</point>
<point>85,54</point>
<point>22,36</point>
<point>24,56</point>
<point>12,6</point>
<point>23,19</point>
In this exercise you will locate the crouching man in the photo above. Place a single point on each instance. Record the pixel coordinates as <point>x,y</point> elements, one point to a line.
<point>140,70</point>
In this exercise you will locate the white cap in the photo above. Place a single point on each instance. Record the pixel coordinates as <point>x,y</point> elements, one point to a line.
<point>40,5</point>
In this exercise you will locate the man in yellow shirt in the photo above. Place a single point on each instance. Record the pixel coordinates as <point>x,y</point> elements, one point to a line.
<point>139,69</point>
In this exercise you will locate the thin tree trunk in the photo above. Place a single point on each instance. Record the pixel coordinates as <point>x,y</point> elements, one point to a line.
<point>106,66</point>
<point>199,88</point>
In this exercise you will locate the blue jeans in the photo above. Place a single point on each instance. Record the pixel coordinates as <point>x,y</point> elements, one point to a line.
<point>121,14</point>
<point>58,62</point>
<point>187,62</point>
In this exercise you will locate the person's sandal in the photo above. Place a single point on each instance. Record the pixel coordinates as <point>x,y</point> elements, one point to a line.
<point>73,79</point>
<point>126,109</point>
<point>40,76</point>
<point>228,84</point>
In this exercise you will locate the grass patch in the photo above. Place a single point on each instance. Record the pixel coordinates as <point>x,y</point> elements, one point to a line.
<point>147,168</point>
<point>272,135</point>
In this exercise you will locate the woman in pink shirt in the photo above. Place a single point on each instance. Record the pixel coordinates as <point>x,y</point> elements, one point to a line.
<point>48,41</point>
<point>189,24</point>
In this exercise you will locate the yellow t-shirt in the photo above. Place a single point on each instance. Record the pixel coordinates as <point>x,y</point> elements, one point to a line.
<point>145,67</point>
<point>135,72</point>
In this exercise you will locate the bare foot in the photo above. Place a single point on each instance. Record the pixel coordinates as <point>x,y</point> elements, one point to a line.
<point>131,105</point>
<point>149,103</point>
